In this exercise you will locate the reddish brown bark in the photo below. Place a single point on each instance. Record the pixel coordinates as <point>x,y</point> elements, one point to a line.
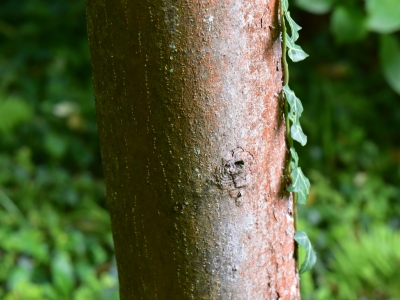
<point>193,147</point>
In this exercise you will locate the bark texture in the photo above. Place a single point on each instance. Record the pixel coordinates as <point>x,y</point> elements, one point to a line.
<point>193,147</point>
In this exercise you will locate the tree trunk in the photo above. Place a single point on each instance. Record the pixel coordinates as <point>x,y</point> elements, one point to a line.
<point>192,139</point>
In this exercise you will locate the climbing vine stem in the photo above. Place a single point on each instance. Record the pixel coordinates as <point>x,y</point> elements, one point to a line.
<point>299,183</point>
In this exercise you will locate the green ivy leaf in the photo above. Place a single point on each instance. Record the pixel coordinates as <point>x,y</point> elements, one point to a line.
<point>297,133</point>
<point>311,257</point>
<point>383,15</point>
<point>294,27</point>
<point>300,184</point>
<point>296,108</point>
<point>295,52</point>
<point>285,5</point>
<point>389,54</point>
<point>295,156</point>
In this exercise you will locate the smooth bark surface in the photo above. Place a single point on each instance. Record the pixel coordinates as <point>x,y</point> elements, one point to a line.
<point>193,147</point>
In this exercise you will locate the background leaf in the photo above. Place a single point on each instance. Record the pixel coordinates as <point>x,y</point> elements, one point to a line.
<point>63,273</point>
<point>348,24</point>
<point>13,112</point>
<point>315,6</point>
<point>389,54</point>
<point>383,15</point>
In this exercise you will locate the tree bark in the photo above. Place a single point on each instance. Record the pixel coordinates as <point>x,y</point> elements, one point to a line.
<point>192,137</point>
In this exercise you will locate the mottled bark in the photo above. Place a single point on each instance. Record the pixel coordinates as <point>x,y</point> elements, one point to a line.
<point>193,147</point>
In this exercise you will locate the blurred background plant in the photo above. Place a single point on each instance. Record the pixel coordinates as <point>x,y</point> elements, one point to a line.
<point>350,87</point>
<point>55,236</point>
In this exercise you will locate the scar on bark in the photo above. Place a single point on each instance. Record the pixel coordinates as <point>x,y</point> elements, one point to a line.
<point>233,175</point>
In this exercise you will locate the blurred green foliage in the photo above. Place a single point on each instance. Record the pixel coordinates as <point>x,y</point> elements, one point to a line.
<point>350,88</point>
<point>55,237</point>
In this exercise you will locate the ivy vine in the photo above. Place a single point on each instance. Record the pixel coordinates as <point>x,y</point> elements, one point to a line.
<point>299,183</point>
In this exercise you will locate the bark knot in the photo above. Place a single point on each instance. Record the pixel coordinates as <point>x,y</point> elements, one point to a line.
<point>233,174</point>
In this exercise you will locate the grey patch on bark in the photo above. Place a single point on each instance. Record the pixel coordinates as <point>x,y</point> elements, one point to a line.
<point>233,175</point>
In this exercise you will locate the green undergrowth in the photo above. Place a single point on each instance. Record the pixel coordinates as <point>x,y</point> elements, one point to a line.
<point>349,86</point>
<point>55,237</point>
